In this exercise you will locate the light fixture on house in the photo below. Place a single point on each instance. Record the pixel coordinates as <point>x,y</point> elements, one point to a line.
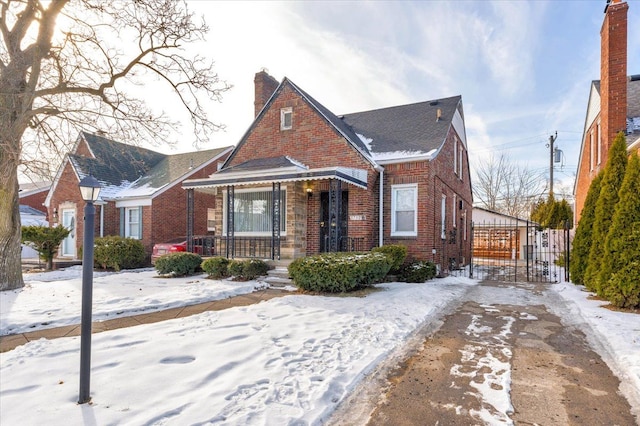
<point>55,215</point>
<point>309,191</point>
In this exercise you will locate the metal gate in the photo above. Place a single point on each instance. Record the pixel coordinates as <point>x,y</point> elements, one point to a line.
<point>519,251</point>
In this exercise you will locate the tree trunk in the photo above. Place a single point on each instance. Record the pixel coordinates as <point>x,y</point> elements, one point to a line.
<point>10,248</point>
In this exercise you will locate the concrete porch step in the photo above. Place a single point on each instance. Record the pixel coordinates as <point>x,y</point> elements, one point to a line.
<point>278,277</point>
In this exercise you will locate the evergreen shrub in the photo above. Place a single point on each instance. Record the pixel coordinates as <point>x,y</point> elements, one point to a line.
<point>623,288</point>
<point>418,272</point>
<point>44,240</point>
<point>114,252</point>
<point>178,264</point>
<point>216,267</point>
<point>339,272</point>
<point>396,253</point>
<point>582,241</point>
<point>245,270</point>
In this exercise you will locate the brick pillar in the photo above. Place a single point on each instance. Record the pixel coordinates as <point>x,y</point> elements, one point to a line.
<point>613,73</point>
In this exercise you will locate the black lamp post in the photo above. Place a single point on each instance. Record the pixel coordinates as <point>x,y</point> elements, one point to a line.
<point>90,189</point>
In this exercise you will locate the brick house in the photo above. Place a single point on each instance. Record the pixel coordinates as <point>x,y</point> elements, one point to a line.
<point>141,195</point>
<point>303,180</point>
<point>33,194</point>
<point>614,103</point>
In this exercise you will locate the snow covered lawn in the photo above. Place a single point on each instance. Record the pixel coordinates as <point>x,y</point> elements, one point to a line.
<point>289,360</point>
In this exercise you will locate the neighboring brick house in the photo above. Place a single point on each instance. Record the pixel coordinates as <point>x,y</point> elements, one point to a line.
<point>33,194</point>
<point>614,103</point>
<point>303,181</point>
<point>141,195</point>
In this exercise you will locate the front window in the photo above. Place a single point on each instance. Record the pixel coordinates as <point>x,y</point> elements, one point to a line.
<point>404,214</point>
<point>132,222</point>
<point>253,212</point>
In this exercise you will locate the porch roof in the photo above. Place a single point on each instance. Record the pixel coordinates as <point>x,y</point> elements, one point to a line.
<point>280,169</point>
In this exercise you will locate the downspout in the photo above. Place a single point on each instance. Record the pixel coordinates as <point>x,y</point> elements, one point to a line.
<point>101,220</point>
<point>381,207</point>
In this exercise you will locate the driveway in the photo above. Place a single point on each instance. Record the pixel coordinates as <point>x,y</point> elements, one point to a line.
<point>502,356</point>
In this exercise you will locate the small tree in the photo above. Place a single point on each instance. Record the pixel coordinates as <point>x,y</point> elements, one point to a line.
<point>605,206</point>
<point>45,241</point>
<point>553,214</point>
<point>582,240</point>
<point>619,251</point>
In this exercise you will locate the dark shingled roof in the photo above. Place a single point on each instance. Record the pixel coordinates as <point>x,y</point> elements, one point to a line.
<point>114,162</point>
<point>412,127</point>
<point>173,167</point>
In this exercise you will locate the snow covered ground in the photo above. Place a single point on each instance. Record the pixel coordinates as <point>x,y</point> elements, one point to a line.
<point>289,360</point>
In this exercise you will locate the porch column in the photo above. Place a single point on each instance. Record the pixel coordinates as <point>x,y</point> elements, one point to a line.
<point>276,208</point>
<point>335,214</point>
<point>230,222</point>
<point>190,213</point>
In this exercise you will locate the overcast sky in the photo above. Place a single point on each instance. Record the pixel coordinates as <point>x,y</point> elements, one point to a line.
<point>523,68</point>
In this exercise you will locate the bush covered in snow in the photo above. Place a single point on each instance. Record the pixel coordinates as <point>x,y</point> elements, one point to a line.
<point>216,267</point>
<point>178,264</point>
<point>339,272</point>
<point>417,272</point>
<point>245,270</point>
<point>118,253</point>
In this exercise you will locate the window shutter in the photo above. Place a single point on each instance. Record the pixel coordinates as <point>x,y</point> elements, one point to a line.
<point>122,221</point>
<point>140,222</point>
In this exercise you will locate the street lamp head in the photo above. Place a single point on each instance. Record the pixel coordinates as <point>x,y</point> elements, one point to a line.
<point>90,188</point>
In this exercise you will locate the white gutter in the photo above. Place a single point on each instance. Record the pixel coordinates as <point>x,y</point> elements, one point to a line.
<point>381,208</point>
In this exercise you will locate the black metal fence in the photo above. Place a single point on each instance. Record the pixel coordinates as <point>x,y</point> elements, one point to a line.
<point>518,251</point>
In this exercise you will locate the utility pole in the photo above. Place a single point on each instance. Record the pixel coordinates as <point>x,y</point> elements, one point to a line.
<point>552,139</point>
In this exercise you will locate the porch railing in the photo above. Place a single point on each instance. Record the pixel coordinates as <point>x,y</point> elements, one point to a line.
<point>256,247</point>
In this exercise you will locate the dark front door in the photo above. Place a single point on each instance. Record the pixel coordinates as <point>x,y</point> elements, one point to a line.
<point>328,220</point>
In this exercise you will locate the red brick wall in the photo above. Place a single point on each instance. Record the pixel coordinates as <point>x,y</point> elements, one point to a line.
<point>35,200</point>
<point>434,179</point>
<point>311,141</point>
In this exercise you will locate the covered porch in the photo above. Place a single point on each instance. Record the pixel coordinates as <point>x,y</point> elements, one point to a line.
<point>278,209</point>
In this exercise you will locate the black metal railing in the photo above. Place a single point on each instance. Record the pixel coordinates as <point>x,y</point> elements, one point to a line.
<point>256,247</point>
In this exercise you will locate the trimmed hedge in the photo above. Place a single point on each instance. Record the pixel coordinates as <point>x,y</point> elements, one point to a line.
<point>118,253</point>
<point>216,267</point>
<point>245,270</point>
<point>396,253</point>
<point>339,272</point>
<point>418,272</point>
<point>178,264</point>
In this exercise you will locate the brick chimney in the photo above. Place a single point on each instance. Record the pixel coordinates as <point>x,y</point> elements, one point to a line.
<point>613,72</point>
<point>265,85</point>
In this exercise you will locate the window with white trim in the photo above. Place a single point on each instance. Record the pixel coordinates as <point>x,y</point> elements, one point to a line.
<point>599,144</point>
<point>453,210</point>
<point>286,118</point>
<point>591,151</point>
<point>455,155</point>
<point>133,222</point>
<point>253,212</point>
<point>443,217</point>
<point>404,210</point>
<point>460,163</point>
